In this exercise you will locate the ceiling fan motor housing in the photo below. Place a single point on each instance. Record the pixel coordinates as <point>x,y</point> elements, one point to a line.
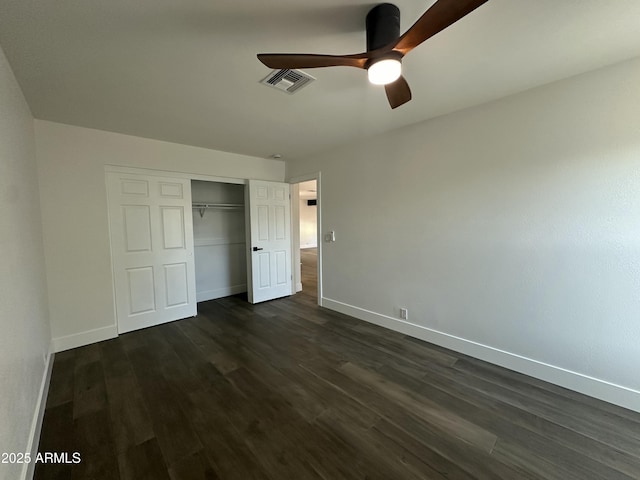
<point>383,26</point>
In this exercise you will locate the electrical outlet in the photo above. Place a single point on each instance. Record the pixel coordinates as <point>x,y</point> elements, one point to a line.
<point>404,314</point>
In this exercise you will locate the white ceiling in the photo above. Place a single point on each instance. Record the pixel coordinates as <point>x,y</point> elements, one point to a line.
<point>186,70</point>
<point>307,189</point>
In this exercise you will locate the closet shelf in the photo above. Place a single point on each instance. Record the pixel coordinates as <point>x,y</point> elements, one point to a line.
<point>201,207</point>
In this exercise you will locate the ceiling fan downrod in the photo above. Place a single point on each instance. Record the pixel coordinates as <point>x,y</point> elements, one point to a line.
<point>383,26</point>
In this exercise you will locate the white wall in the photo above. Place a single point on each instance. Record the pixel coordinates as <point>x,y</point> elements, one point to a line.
<point>511,231</point>
<point>308,227</point>
<point>25,338</point>
<point>71,169</point>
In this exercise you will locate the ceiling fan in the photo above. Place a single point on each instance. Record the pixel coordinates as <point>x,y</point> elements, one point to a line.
<point>385,46</point>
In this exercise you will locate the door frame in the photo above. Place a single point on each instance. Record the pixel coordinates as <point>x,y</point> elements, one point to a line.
<point>295,224</point>
<point>173,173</point>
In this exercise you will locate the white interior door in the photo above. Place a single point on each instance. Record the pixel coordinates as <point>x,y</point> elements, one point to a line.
<point>269,241</point>
<point>152,249</point>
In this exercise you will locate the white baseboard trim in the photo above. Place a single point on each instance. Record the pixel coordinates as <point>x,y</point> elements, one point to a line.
<point>38,416</point>
<point>593,387</point>
<point>298,286</point>
<point>84,338</point>
<point>220,292</point>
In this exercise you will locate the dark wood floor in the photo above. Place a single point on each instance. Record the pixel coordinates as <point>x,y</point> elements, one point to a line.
<point>285,390</point>
<point>309,265</point>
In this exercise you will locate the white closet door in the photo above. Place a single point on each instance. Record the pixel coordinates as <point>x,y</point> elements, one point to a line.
<point>269,257</point>
<point>152,249</point>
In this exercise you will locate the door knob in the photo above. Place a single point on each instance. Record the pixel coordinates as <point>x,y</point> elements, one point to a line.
<point>255,249</point>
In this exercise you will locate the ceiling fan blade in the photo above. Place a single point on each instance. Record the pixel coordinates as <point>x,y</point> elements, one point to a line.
<point>302,60</point>
<point>398,92</point>
<point>441,14</point>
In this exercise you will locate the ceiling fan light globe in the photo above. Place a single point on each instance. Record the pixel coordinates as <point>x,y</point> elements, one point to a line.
<point>385,71</point>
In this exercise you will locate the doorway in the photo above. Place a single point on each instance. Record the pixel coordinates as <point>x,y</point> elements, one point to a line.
<point>306,237</point>
<point>219,238</point>
<point>242,239</point>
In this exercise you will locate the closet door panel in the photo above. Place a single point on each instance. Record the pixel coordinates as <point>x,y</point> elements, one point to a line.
<point>151,249</point>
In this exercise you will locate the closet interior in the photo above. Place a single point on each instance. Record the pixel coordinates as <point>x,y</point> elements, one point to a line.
<point>219,237</point>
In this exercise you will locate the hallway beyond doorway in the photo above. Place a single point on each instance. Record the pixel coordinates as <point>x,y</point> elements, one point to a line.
<point>309,272</point>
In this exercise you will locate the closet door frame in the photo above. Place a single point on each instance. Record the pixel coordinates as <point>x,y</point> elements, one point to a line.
<point>115,169</point>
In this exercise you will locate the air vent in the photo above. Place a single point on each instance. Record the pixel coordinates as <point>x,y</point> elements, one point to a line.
<point>289,81</point>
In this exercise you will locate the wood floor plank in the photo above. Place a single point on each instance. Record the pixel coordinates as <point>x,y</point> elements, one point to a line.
<point>113,356</point>
<point>199,333</point>
<point>89,392</point>
<point>459,397</point>
<point>92,432</point>
<point>193,467</point>
<point>473,462</point>
<point>304,402</point>
<point>183,365</point>
<point>171,426</point>
<point>271,408</point>
<point>393,462</point>
<point>61,383</point>
<point>143,462</point>
<point>336,457</point>
<point>436,415</point>
<point>508,421</point>
<point>395,437</point>
<point>567,463</point>
<point>263,419</point>
<point>87,354</point>
<point>99,465</point>
<point>393,344</point>
<point>277,454</point>
<point>590,426</point>
<point>605,420</point>
<point>56,436</point>
<point>130,420</point>
<point>224,444</point>
<point>448,446</point>
<point>577,400</point>
<point>92,439</point>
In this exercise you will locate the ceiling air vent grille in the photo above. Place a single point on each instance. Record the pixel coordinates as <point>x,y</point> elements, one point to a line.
<point>289,81</point>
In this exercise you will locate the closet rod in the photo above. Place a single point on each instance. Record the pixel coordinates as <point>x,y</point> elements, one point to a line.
<point>201,207</point>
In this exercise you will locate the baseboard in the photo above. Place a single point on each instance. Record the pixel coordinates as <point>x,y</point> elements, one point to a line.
<point>593,387</point>
<point>84,338</point>
<point>38,416</point>
<point>220,292</point>
<point>298,286</point>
